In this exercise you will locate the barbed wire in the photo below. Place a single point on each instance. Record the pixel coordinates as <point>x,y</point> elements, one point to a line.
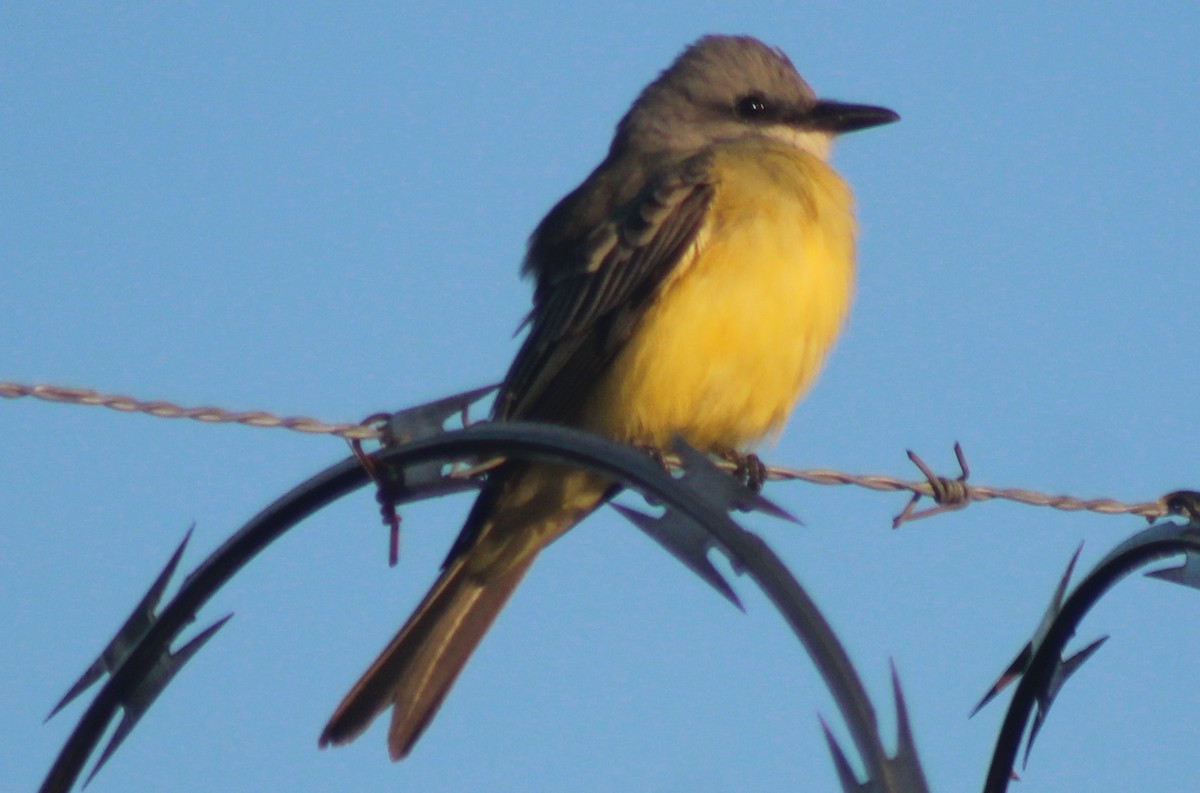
<point>946,492</point>
<point>168,410</point>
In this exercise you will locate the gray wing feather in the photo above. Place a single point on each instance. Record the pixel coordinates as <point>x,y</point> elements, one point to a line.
<point>584,314</point>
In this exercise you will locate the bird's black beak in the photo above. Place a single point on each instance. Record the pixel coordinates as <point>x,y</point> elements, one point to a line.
<point>840,117</point>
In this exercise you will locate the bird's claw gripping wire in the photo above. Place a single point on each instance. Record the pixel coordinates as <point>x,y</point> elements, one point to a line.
<point>749,469</point>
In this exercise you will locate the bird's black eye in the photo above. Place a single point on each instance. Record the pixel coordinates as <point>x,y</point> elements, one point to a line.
<point>753,106</point>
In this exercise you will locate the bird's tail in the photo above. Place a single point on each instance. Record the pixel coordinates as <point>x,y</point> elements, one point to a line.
<point>418,667</point>
<point>516,516</point>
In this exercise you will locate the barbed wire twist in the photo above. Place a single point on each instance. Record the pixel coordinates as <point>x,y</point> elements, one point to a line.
<point>934,487</point>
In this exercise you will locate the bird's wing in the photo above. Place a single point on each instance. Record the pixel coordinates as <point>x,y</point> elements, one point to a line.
<point>589,306</point>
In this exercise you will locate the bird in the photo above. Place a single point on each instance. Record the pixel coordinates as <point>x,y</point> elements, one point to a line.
<point>690,287</point>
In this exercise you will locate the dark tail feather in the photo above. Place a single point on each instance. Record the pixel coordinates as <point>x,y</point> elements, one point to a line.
<point>419,666</point>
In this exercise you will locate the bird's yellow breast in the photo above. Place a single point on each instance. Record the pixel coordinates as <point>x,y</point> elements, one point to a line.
<point>739,331</point>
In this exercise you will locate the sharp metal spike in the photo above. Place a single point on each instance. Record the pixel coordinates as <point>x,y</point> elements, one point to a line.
<point>1062,672</point>
<point>904,768</point>
<point>427,420</point>
<point>906,746</point>
<point>1187,574</point>
<point>1014,671</point>
<point>765,505</point>
<point>91,675</point>
<point>719,489</point>
<point>129,634</point>
<point>687,542</point>
<point>900,772</point>
<point>1021,663</point>
<point>135,703</point>
<point>1072,664</point>
<point>1056,601</point>
<point>846,776</point>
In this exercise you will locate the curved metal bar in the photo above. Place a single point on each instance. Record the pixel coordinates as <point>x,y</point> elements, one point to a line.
<point>198,588</point>
<point>1157,542</point>
<point>747,551</point>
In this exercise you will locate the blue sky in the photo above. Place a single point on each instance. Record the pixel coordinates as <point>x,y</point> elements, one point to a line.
<point>322,212</point>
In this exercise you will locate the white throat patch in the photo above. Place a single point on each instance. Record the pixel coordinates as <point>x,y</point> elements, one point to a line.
<point>814,142</point>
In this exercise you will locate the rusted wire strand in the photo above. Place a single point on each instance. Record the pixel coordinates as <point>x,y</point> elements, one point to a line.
<point>879,482</point>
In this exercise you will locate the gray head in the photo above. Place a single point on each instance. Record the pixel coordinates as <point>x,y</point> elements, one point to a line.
<point>729,86</point>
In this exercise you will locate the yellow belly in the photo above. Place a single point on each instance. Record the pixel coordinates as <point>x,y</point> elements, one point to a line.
<point>740,331</point>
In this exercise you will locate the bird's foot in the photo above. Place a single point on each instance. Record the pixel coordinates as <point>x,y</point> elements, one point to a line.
<point>748,468</point>
<point>655,454</point>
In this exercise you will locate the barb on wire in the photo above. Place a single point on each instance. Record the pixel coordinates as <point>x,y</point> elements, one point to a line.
<point>948,494</point>
<point>890,484</point>
<point>1151,510</point>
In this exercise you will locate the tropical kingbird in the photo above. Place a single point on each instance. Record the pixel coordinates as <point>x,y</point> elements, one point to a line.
<point>691,286</point>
